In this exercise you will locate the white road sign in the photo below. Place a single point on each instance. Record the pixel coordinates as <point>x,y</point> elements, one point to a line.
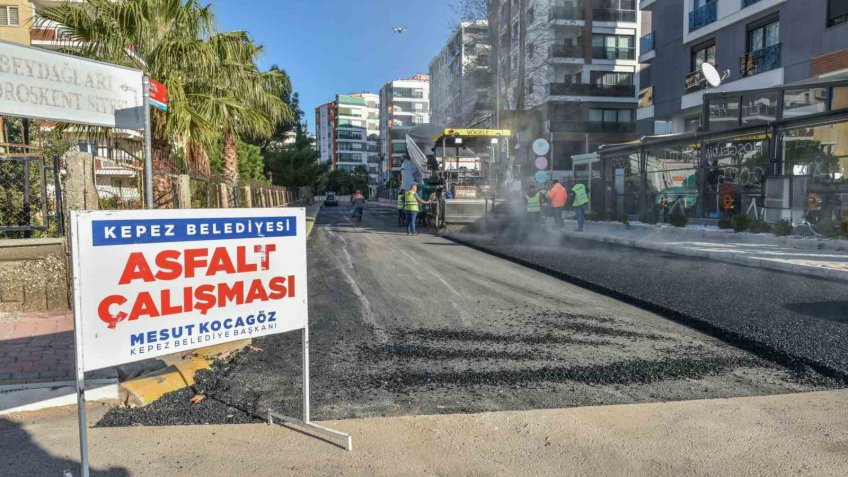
<point>153,282</point>
<point>43,84</point>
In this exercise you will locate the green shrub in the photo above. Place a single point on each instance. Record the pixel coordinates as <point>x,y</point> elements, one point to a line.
<point>740,223</point>
<point>826,226</point>
<point>759,227</point>
<point>783,228</point>
<point>652,216</point>
<point>678,219</point>
<point>725,223</point>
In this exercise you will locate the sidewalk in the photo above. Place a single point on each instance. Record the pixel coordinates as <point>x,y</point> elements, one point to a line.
<point>797,434</point>
<point>805,256</point>
<point>36,347</point>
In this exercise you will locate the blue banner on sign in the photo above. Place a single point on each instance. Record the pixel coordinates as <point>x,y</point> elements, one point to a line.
<point>128,232</point>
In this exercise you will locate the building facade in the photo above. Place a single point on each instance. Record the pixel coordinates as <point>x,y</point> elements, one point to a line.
<point>404,104</point>
<point>347,133</point>
<point>460,79</point>
<point>754,44</point>
<point>575,62</point>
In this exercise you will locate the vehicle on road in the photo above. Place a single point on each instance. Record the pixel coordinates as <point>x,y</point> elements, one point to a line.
<point>330,199</point>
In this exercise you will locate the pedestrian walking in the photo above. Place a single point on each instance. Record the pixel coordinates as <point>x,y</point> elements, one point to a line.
<point>358,201</point>
<point>558,196</point>
<point>581,200</point>
<point>400,208</point>
<point>534,206</point>
<point>411,199</point>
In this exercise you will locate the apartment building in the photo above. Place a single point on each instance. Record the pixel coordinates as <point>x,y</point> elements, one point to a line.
<point>754,44</point>
<point>578,62</point>
<point>20,23</point>
<point>460,78</point>
<point>404,104</point>
<point>347,133</point>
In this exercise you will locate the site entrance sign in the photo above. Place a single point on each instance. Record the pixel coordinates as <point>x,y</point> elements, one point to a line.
<point>151,283</point>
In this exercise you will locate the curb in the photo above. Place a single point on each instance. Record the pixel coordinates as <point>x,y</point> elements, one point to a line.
<point>37,396</point>
<point>179,373</point>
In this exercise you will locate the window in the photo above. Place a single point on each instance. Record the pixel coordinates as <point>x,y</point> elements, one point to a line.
<point>529,86</point>
<point>613,47</point>
<point>801,102</point>
<point>724,113</point>
<point>839,98</point>
<point>9,15</point>
<point>703,54</point>
<point>760,108</point>
<point>399,148</point>
<point>837,12</point>
<point>531,15</point>
<point>597,115</point>
<point>531,50</point>
<point>764,36</point>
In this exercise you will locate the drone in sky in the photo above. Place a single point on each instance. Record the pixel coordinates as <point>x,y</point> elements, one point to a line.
<point>399,30</point>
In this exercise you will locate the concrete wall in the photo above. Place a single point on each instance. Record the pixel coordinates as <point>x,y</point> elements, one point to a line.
<point>33,275</point>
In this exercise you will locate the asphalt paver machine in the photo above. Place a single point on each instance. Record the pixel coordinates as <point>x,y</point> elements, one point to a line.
<point>460,170</point>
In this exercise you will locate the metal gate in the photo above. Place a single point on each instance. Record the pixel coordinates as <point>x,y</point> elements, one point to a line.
<point>30,193</point>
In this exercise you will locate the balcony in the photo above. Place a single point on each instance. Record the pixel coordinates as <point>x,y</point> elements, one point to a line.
<point>703,16</point>
<point>613,15</point>
<point>748,3</point>
<point>571,89</point>
<point>566,51</point>
<point>646,43</point>
<point>613,53</point>
<point>760,61</point>
<point>695,81</point>
<point>566,13</point>
<point>568,125</point>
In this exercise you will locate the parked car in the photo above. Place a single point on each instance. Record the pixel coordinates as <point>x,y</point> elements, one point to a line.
<point>330,199</point>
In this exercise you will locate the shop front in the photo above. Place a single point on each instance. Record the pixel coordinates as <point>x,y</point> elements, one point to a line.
<point>780,153</point>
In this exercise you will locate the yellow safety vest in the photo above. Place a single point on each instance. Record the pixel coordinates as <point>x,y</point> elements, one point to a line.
<point>410,203</point>
<point>534,203</point>
<point>580,197</point>
<point>400,202</point>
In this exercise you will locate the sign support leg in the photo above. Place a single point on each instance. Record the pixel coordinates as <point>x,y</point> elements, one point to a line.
<point>148,146</point>
<point>306,422</point>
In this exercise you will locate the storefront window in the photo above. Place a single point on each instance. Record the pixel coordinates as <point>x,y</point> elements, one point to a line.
<point>840,98</point>
<point>672,172</point>
<point>801,102</point>
<point>817,158</point>
<point>724,113</point>
<point>736,169</point>
<point>758,109</point>
<point>820,153</point>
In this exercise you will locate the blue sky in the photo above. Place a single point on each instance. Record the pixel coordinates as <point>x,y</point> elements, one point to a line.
<point>341,46</point>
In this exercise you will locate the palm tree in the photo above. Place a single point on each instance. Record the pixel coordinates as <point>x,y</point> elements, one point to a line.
<point>215,88</point>
<point>241,99</point>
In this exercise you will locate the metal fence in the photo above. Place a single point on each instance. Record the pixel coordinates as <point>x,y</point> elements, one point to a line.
<point>30,193</point>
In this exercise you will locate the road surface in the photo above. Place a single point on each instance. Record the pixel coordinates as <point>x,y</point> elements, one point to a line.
<point>421,325</point>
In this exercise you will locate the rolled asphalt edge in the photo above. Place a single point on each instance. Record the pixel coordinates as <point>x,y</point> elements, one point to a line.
<point>171,373</point>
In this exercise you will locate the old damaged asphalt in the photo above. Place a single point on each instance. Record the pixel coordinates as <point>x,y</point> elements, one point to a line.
<point>422,325</point>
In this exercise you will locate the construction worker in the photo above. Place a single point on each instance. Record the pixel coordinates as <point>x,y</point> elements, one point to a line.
<point>358,201</point>
<point>534,205</point>
<point>411,199</point>
<point>400,208</point>
<point>558,196</point>
<point>581,199</point>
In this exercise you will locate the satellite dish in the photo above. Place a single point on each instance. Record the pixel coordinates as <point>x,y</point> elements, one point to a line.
<point>711,74</point>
